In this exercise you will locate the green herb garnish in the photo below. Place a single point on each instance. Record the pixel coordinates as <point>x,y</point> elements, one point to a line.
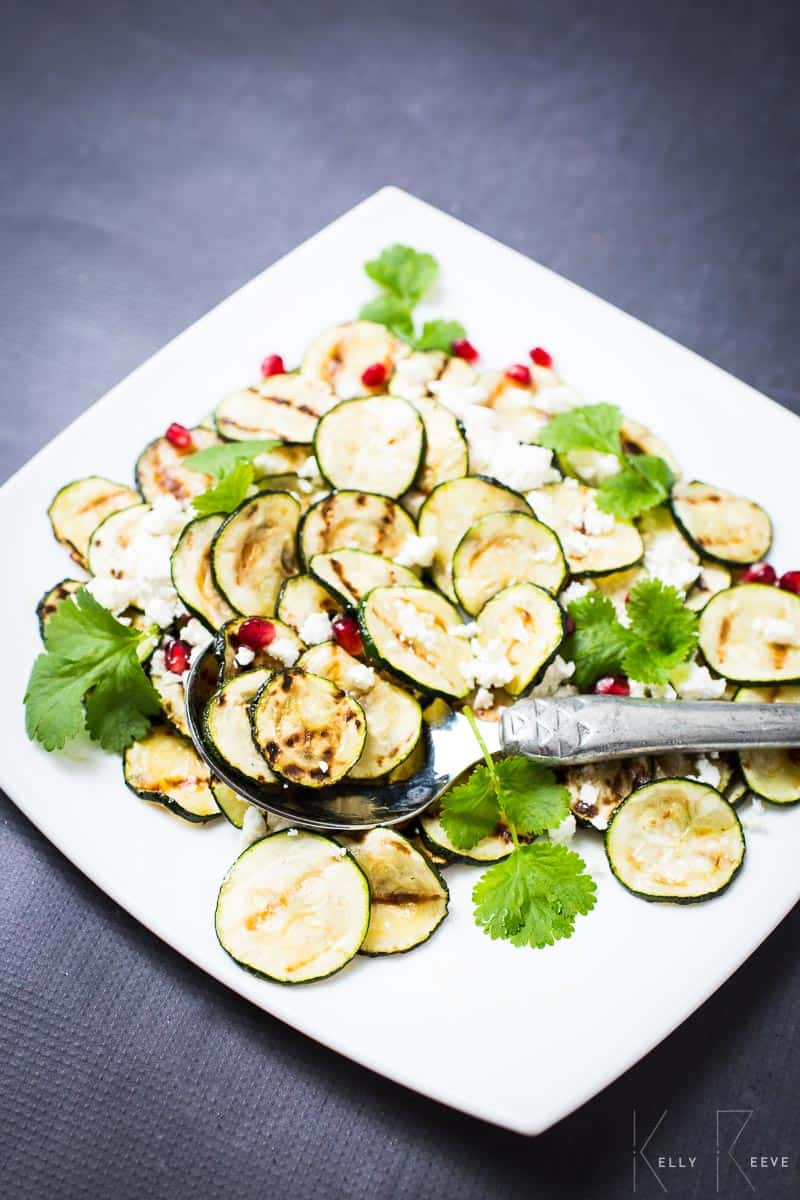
<point>405,275</point>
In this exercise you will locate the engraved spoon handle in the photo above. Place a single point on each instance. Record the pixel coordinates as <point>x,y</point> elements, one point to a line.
<point>583,729</point>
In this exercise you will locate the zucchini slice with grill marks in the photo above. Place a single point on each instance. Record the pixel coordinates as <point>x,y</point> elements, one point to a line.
<point>165,768</point>
<point>283,651</point>
<point>490,849</point>
<point>294,907</point>
<point>161,470</point>
<point>409,896</point>
<point>351,574</point>
<point>254,551</point>
<point>409,631</point>
<point>597,789</point>
<point>192,577</point>
<point>48,605</point>
<point>300,597</point>
<point>374,443</point>
<point>713,578</point>
<point>675,840</point>
<point>231,806</point>
<point>446,455</point>
<point>340,355</point>
<point>282,406</point>
<point>502,549</point>
<point>310,731</point>
<point>529,625</point>
<point>78,508</point>
<point>449,512</point>
<point>227,732</point>
<point>112,538</point>
<point>394,719</point>
<point>774,775</point>
<point>355,521</point>
<point>594,542</point>
<point>721,525</point>
<point>751,634</point>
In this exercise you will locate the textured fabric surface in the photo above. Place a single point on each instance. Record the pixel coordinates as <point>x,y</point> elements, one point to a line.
<point>155,156</point>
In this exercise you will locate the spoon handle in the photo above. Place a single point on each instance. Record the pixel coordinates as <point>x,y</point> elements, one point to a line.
<point>583,729</point>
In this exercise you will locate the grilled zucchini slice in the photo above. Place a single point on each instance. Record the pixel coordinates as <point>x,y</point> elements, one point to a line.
<point>355,521</point>
<point>751,634</point>
<point>294,907</point>
<point>501,549</point>
<point>301,596</point>
<point>284,406</point>
<point>274,657</point>
<point>192,577</point>
<point>254,551</point>
<point>409,896</point>
<point>774,775</point>
<point>713,578</point>
<point>78,508</point>
<point>231,806</point>
<point>446,455</point>
<point>112,538</point>
<point>490,849</point>
<point>227,732</point>
<point>173,700</point>
<point>165,768</point>
<point>48,605</point>
<point>161,470</point>
<point>449,512</point>
<point>721,525</point>
<point>675,840</point>
<point>351,574</point>
<point>394,719</point>
<point>409,631</point>
<point>595,543</point>
<point>374,443</point>
<point>310,731</point>
<point>598,789</point>
<point>339,356</point>
<point>528,624</point>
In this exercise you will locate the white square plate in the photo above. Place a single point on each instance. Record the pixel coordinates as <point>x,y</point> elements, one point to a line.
<point>632,971</point>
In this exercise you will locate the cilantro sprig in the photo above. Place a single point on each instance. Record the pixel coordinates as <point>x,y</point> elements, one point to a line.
<point>532,897</point>
<point>643,480</point>
<point>662,635</point>
<point>405,276</point>
<point>232,465</point>
<point>89,678</point>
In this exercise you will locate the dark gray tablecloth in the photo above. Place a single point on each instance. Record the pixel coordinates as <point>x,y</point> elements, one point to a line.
<point>154,157</point>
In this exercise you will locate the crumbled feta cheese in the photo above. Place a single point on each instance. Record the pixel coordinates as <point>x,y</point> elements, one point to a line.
<point>415,626</point>
<point>413,374</point>
<point>459,387</point>
<point>592,466</point>
<point>416,551</point>
<point>575,544</point>
<point>142,570</point>
<point>554,680</point>
<point>706,772</point>
<point>497,452</point>
<point>777,631</point>
<point>244,656</point>
<point>489,667</point>
<point>575,591</point>
<point>323,766</point>
<point>285,651</point>
<point>166,516</point>
<point>341,852</point>
<point>595,522</point>
<point>695,682</point>
<point>359,678</point>
<point>124,620</point>
<point>465,631</point>
<point>753,816</point>
<point>669,558</point>
<point>555,400</point>
<point>316,628</point>
<point>195,633</point>
<point>254,826</point>
<point>483,698</point>
<point>113,594</point>
<point>158,663</point>
<point>588,794</point>
<point>309,469</point>
<point>291,832</point>
<point>563,833</point>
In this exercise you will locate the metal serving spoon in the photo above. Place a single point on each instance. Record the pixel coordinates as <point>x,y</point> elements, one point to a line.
<point>566,730</point>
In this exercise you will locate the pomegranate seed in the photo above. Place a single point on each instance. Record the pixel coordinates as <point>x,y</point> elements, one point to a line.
<point>375,375</point>
<point>520,374</point>
<point>613,685</point>
<point>464,349</point>
<point>177,656</point>
<point>569,624</point>
<point>541,357</point>
<point>348,635</point>
<point>790,581</point>
<point>760,572</point>
<point>272,365</point>
<point>179,436</point>
<point>256,633</point>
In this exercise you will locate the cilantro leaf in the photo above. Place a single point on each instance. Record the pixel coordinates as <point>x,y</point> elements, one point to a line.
<point>406,273</point>
<point>92,660</point>
<point>470,811</point>
<point>532,897</point>
<point>392,312</point>
<point>228,493</point>
<point>589,427</point>
<point>439,335</point>
<point>219,460</point>
<point>529,795</point>
<point>643,482</point>
<point>662,634</point>
<point>598,643</point>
